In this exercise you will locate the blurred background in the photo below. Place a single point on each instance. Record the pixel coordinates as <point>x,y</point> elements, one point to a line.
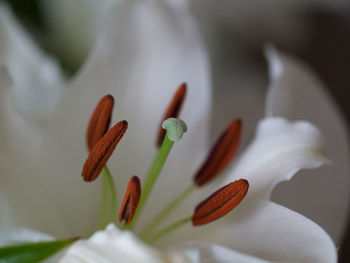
<point>317,32</point>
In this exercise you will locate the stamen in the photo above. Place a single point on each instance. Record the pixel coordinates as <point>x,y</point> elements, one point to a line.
<point>131,200</point>
<point>220,203</point>
<point>99,121</point>
<point>101,152</point>
<point>173,110</point>
<point>221,154</point>
<point>214,207</point>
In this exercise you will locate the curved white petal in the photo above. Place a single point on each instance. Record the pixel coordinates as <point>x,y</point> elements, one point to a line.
<point>296,93</point>
<point>36,77</point>
<point>279,150</point>
<point>272,232</point>
<point>211,253</point>
<point>142,74</point>
<point>111,245</point>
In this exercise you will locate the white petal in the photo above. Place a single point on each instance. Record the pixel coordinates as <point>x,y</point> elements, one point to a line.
<point>279,150</point>
<point>297,93</point>
<point>272,232</point>
<point>211,253</point>
<point>37,78</point>
<point>22,193</point>
<point>24,203</point>
<point>12,236</point>
<point>111,245</point>
<point>142,74</point>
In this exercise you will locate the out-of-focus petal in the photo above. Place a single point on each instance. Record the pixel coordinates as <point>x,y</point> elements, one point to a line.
<point>37,80</point>
<point>211,253</point>
<point>296,93</point>
<point>111,245</point>
<point>23,202</point>
<point>13,236</point>
<point>22,190</point>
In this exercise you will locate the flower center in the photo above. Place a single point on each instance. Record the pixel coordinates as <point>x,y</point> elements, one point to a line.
<point>102,141</point>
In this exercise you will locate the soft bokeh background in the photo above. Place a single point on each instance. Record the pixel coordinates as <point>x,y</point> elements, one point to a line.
<point>318,34</point>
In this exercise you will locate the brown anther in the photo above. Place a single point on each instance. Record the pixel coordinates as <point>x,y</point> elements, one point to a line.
<point>99,121</point>
<point>220,203</point>
<point>102,150</point>
<point>130,201</point>
<point>220,154</point>
<point>173,110</point>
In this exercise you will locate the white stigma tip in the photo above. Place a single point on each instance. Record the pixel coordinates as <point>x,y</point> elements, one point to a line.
<point>175,128</point>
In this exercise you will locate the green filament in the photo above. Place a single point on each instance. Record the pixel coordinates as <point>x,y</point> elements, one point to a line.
<point>109,199</point>
<point>152,176</point>
<point>166,230</point>
<point>167,210</point>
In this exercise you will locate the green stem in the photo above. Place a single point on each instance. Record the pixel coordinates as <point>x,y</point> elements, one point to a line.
<point>152,176</point>
<point>168,229</point>
<point>109,199</point>
<point>167,210</point>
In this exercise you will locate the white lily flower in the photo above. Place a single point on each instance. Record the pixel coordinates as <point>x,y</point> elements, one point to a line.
<point>128,62</point>
<point>239,82</point>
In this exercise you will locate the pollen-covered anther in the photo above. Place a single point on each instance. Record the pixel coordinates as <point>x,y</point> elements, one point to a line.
<point>102,150</point>
<point>99,121</point>
<point>173,110</point>
<point>221,153</point>
<point>130,201</point>
<point>220,203</point>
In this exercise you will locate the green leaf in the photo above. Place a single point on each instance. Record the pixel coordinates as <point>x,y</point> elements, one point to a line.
<point>32,252</point>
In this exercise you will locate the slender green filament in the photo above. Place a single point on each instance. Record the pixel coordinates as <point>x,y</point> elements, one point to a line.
<point>109,199</point>
<point>152,176</point>
<point>168,229</point>
<point>167,210</point>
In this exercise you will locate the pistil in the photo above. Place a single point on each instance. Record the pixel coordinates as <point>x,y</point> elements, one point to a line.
<point>175,129</point>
